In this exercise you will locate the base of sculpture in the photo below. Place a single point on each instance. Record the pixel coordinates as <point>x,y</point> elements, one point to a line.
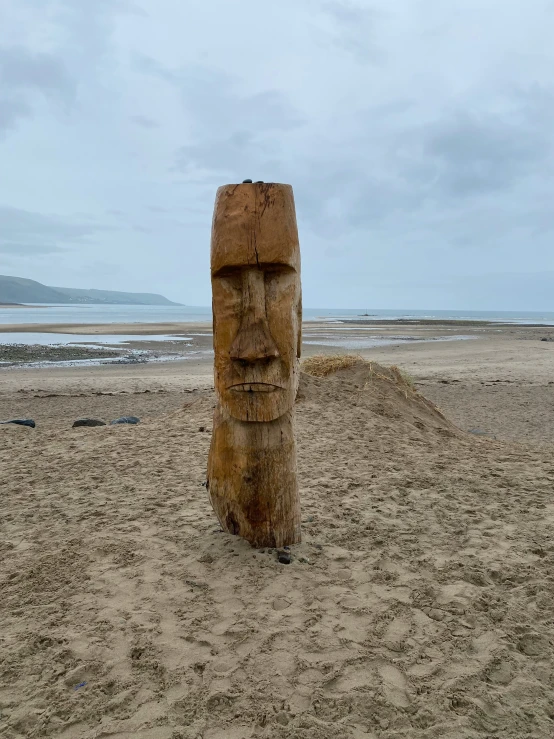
<point>252,479</point>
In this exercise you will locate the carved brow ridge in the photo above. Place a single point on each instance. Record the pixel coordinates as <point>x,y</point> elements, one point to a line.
<point>233,269</point>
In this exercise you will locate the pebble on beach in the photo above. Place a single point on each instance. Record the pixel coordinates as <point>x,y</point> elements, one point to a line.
<point>20,422</point>
<point>88,422</point>
<point>284,556</point>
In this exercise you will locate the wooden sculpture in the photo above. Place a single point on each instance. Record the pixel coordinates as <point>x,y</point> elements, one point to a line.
<point>257,323</point>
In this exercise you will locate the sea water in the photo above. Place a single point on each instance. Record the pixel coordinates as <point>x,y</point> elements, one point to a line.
<point>88,340</point>
<point>347,336</point>
<point>95,314</point>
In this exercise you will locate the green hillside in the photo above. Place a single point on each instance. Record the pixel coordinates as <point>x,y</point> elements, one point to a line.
<point>112,296</point>
<point>21,290</point>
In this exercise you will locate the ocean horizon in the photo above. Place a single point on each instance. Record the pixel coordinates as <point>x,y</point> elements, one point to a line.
<point>93,314</point>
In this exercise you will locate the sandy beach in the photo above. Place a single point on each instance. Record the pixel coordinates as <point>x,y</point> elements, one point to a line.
<point>499,379</point>
<point>419,603</point>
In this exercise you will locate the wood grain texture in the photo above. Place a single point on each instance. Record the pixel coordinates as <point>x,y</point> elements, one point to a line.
<point>257,319</point>
<point>252,479</point>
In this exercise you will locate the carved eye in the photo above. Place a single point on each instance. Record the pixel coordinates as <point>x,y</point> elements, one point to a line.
<point>278,276</point>
<point>275,270</point>
<point>231,280</point>
<point>229,273</point>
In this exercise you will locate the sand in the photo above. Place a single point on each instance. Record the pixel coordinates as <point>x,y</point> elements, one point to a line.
<point>418,605</point>
<point>500,381</point>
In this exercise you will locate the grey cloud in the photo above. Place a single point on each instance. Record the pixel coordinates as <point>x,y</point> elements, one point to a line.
<point>20,68</point>
<point>144,121</point>
<point>354,28</point>
<point>102,269</point>
<point>82,32</point>
<point>128,8</point>
<point>350,191</point>
<point>222,155</point>
<point>511,290</point>
<point>413,169</point>
<point>12,109</point>
<point>23,250</point>
<point>468,153</point>
<point>24,74</point>
<point>251,121</point>
<point>417,147</point>
<point>473,155</point>
<point>346,13</point>
<point>209,99</point>
<point>240,152</point>
<point>149,66</point>
<point>26,230</point>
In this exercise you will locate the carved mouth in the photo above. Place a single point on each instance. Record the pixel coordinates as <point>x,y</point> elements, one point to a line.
<point>254,387</point>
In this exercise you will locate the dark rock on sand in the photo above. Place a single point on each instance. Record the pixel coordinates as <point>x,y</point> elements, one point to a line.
<point>284,556</point>
<point>88,422</point>
<point>125,419</point>
<point>21,422</point>
<point>247,182</point>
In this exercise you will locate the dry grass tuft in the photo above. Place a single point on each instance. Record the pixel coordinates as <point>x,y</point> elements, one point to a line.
<point>322,365</point>
<point>402,380</point>
<point>402,377</point>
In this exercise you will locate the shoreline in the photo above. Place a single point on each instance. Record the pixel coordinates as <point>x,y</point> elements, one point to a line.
<point>502,381</point>
<point>23,305</point>
<point>441,321</point>
<point>168,342</point>
<point>140,329</point>
<point>184,327</point>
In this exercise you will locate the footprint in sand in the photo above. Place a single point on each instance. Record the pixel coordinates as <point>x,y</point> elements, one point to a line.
<point>395,634</point>
<point>394,686</point>
<point>281,604</point>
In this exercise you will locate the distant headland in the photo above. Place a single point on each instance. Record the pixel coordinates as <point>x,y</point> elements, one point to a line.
<point>17,290</point>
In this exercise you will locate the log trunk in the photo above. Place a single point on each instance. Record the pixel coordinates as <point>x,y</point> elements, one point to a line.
<point>257,320</point>
<point>252,479</point>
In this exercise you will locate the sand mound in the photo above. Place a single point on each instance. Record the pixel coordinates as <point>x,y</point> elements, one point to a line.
<point>385,392</point>
<point>419,604</point>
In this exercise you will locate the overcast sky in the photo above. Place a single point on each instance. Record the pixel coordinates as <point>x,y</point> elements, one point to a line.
<point>417,135</point>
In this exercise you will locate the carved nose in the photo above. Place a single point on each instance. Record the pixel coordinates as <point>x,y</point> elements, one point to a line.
<point>253,342</point>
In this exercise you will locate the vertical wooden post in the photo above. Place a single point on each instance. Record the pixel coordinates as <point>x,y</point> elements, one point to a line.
<point>257,321</point>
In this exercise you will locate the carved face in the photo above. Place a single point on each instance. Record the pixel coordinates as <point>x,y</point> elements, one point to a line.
<point>256,300</point>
